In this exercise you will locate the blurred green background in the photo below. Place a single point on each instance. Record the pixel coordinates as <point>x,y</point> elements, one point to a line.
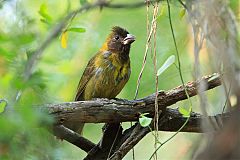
<point>56,76</point>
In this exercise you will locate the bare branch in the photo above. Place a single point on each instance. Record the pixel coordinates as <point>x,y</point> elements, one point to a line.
<point>115,111</point>
<point>104,110</point>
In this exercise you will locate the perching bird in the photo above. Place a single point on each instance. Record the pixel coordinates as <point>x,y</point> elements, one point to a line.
<point>108,71</point>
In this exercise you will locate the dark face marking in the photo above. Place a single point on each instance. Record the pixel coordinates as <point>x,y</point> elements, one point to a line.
<point>116,41</point>
<point>119,42</point>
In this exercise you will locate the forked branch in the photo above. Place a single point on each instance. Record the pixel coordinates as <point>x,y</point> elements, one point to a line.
<point>119,110</point>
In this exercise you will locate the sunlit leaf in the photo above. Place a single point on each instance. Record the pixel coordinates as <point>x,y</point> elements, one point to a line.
<point>144,121</point>
<point>44,21</point>
<point>184,112</point>
<point>77,29</point>
<point>6,53</point>
<point>6,79</point>
<point>44,13</point>
<point>23,39</point>
<point>3,105</point>
<point>64,38</point>
<point>166,64</point>
<point>182,13</point>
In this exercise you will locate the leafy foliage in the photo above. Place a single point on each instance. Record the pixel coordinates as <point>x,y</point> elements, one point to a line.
<point>46,18</point>
<point>3,105</point>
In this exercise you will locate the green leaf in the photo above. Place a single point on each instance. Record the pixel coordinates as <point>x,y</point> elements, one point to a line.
<point>77,29</point>
<point>3,105</point>
<point>166,64</point>
<point>44,21</point>
<point>82,2</point>
<point>6,53</point>
<point>182,13</point>
<point>44,13</point>
<point>144,121</point>
<point>184,112</point>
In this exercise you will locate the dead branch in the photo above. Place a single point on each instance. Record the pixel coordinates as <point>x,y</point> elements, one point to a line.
<point>110,111</point>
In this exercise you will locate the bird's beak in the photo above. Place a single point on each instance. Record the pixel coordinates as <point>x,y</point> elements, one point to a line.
<point>129,39</point>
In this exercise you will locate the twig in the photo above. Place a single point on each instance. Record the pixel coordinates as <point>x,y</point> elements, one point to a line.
<point>148,43</point>
<point>132,5</point>
<point>184,5</point>
<point>156,115</point>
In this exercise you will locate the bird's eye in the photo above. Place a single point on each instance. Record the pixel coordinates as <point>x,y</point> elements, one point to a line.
<point>116,38</point>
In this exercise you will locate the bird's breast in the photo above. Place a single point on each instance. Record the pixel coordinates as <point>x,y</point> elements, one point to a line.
<point>109,78</point>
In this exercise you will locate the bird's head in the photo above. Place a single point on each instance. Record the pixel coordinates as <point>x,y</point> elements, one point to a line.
<point>119,41</point>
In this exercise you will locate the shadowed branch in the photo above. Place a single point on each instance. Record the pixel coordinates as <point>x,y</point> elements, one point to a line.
<point>120,110</point>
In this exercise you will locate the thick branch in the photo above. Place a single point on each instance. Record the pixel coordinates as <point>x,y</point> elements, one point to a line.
<point>103,110</point>
<point>174,120</point>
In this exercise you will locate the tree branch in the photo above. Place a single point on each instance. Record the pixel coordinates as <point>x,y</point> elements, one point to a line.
<point>118,110</point>
<point>171,121</point>
<point>174,120</point>
<point>109,111</point>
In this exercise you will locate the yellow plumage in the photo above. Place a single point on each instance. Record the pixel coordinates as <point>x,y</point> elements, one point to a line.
<point>108,78</point>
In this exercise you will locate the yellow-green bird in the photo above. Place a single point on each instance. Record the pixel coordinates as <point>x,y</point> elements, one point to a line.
<point>108,71</point>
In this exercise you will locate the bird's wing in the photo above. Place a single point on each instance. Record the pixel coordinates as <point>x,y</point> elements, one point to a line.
<point>87,75</point>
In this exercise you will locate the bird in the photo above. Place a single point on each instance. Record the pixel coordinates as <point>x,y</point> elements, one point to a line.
<point>107,71</point>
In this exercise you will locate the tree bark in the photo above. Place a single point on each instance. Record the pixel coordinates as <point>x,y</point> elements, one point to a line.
<point>119,110</point>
